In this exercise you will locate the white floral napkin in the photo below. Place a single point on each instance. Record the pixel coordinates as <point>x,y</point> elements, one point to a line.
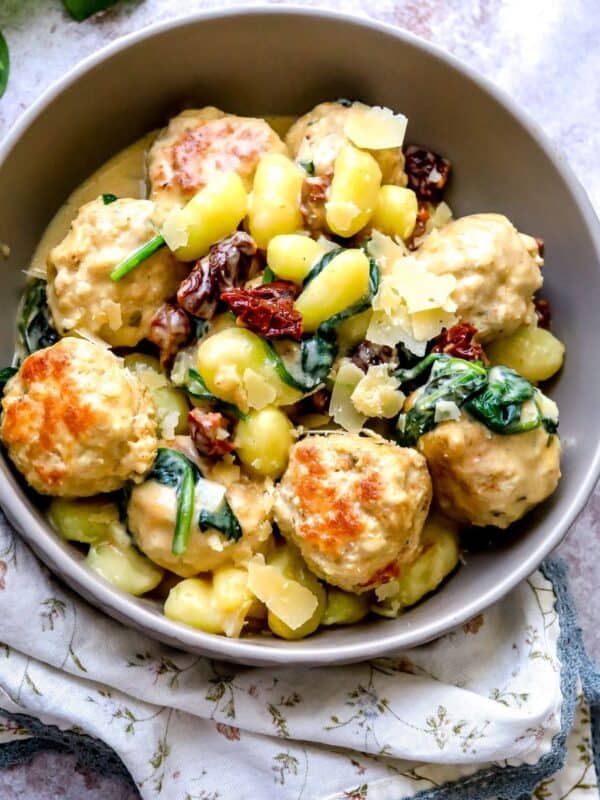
<point>483,712</point>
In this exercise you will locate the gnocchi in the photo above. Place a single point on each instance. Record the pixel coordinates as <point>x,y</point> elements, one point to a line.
<point>354,191</point>
<point>275,202</point>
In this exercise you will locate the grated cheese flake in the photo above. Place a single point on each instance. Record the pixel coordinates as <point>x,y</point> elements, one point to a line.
<point>341,407</point>
<point>375,128</point>
<point>377,394</point>
<point>259,391</point>
<point>293,603</point>
<point>446,410</point>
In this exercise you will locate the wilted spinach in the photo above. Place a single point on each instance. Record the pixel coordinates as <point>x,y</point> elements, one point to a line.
<point>34,327</point>
<point>108,198</point>
<point>5,375</point>
<point>195,387</point>
<point>450,379</point>
<point>223,519</point>
<point>499,406</point>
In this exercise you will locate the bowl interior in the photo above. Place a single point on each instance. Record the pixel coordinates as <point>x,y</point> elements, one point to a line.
<point>284,62</point>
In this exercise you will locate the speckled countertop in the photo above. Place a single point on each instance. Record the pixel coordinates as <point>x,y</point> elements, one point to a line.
<point>544,54</point>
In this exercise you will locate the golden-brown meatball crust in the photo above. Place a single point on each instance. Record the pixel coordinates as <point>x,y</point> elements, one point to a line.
<point>318,136</point>
<point>76,422</point>
<point>81,294</point>
<point>197,145</point>
<point>484,478</point>
<point>355,506</point>
<point>497,270</point>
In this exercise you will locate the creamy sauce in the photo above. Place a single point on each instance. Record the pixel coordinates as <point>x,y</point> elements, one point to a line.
<point>123,175</point>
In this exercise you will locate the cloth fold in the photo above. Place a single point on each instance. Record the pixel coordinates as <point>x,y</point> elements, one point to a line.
<point>483,712</point>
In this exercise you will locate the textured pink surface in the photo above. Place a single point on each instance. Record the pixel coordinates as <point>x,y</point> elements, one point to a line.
<point>544,54</point>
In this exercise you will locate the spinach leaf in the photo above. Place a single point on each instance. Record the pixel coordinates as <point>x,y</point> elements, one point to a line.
<point>172,468</point>
<point>4,64</point>
<point>107,199</point>
<point>5,375</point>
<point>499,405</point>
<point>199,326</point>
<point>35,331</point>
<point>327,327</point>
<point>268,275</point>
<point>310,365</point>
<point>223,519</point>
<point>196,387</point>
<point>450,379</point>
<point>321,264</point>
<point>82,9</point>
<point>308,167</point>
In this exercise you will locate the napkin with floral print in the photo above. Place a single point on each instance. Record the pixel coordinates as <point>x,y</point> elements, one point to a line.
<point>489,710</point>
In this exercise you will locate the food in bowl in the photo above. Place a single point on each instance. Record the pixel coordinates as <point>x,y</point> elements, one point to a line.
<point>265,377</point>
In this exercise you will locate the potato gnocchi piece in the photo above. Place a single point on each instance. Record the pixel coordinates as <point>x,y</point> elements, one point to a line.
<point>534,353</point>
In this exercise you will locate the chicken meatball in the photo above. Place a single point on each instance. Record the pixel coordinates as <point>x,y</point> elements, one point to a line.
<point>355,507</point>
<point>151,517</point>
<point>497,270</point>
<point>76,422</point>
<point>318,136</point>
<point>198,144</point>
<point>484,478</point>
<point>81,294</point>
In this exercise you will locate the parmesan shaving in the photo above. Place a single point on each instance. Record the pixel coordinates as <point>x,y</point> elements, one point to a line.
<point>83,333</point>
<point>259,391</point>
<point>446,410</point>
<point>209,494</point>
<point>385,251</point>
<point>174,230</point>
<point>293,603</point>
<point>375,128</point>
<point>341,407</point>
<point>377,394</point>
<point>547,407</point>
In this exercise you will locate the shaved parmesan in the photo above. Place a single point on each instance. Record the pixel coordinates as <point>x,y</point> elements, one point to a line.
<point>341,407</point>
<point>445,410</point>
<point>293,603</point>
<point>427,324</point>
<point>547,407</point>
<point>442,215</point>
<point>83,333</point>
<point>209,494</point>
<point>175,229</point>
<point>377,394</point>
<point>259,391</point>
<point>374,128</point>
<point>385,251</point>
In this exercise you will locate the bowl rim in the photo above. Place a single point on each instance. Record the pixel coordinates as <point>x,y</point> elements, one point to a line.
<point>129,610</point>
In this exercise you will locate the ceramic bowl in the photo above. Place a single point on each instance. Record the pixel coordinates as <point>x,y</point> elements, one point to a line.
<point>285,61</point>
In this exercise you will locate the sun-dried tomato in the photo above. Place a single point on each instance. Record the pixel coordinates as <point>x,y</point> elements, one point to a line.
<point>458,341</point>
<point>543,313</point>
<point>267,310</point>
<point>423,215</point>
<point>367,354</point>
<point>541,246</point>
<point>169,331</point>
<point>227,264</point>
<point>427,172</point>
<point>210,432</point>
<point>312,202</point>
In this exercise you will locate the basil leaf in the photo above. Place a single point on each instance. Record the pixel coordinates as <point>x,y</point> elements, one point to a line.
<point>4,64</point>
<point>82,9</point>
<point>223,520</point>
<point>499,405</point>
<point>172,468</point>
<point>450,379</point>
<point>35,331</point>
<point>107,199</point>
<point>196,387</point>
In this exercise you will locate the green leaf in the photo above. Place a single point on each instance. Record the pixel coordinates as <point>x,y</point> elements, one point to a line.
<point>108,198</point>
<point>82,9</point>
<point>138,256</point>
<point>361,305</point>
<point>4,64</point>
<point>500,404</point>
<point>223,519</point>
<point>306,366</point>
<point>268,275</point>
<point>6,374</point>
<point>450,379</point>
<point>321,264</point>
<point>172,468</point>
<point>308,167</point>
<point>35,331</point>
<point>196,387</point>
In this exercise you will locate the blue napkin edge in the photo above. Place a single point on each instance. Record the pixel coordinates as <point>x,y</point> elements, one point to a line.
<point>501,782</point>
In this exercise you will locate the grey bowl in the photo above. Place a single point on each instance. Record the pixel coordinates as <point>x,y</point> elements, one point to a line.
<point>285,61</point>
